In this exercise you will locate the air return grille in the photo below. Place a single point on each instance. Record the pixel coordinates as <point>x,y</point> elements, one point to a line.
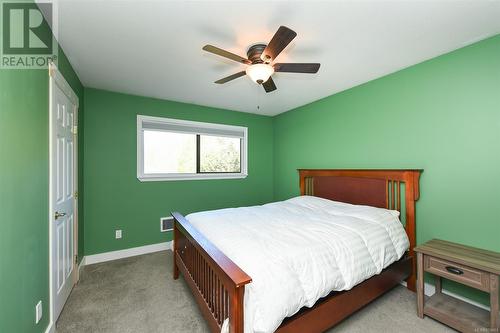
<point>166,224</point>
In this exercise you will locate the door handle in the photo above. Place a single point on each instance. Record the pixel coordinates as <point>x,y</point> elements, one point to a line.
<point>58,215</point>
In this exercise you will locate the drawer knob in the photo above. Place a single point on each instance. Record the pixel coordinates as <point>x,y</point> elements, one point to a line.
<point>454,270</point>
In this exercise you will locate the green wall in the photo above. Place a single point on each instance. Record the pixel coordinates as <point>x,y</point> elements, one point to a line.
<point>24,200</point>
<point>24,258</point>
<point>115,199</point>
<point>442,115</point>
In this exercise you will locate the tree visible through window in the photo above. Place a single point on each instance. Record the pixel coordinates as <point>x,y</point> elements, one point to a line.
<point>219,154</point>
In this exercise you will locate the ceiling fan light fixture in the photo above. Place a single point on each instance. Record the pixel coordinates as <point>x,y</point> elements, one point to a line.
<point>260,73</point>
<point>259,59</point>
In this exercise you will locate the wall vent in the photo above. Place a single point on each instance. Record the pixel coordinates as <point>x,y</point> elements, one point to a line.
<point>166,223</point>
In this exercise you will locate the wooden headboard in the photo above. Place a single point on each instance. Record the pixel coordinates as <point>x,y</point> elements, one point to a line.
<point>378,188</point>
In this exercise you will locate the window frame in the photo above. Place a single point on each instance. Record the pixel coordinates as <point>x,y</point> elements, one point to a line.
<point>141,176</point>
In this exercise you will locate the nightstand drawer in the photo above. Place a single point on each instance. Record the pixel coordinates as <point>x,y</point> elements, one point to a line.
<point>460,273</point>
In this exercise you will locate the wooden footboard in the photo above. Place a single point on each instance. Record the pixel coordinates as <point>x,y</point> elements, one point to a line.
<point>217,283</point>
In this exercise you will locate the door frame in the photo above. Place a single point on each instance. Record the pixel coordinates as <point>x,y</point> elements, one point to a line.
<point>56,78</point>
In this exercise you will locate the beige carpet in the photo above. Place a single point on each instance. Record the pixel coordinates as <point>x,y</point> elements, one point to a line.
<point>138,294</point>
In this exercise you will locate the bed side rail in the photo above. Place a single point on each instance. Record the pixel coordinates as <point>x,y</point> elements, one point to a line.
<point>218,284</point>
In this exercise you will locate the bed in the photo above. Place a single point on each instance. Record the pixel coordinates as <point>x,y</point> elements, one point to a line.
<point>208,245</point>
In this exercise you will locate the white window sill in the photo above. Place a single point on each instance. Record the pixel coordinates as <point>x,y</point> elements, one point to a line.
<point>188,176</point>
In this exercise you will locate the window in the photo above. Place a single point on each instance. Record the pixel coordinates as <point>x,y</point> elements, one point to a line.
<point>172,149</point>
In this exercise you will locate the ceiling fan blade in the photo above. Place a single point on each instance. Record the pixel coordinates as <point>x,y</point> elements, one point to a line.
<point>297,67</point>
<point>280,40</point>
<point>230,77</point>
<point>226,54</point>
<point>269,85</point>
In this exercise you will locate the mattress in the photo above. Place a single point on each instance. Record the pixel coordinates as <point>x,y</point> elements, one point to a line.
<point>301,249</point>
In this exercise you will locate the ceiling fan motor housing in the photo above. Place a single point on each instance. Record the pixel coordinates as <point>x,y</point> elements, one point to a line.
<point>254,52</point>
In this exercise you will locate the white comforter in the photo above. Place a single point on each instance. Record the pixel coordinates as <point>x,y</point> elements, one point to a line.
<point>299,250</point>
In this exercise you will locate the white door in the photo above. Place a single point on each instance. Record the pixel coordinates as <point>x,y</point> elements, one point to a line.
<point>62,181</point>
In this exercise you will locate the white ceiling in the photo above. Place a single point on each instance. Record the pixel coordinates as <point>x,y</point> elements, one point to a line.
<point>153,48</point>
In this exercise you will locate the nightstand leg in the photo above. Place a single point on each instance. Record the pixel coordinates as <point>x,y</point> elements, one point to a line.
<point>437,284</point>
<point>420,285</point>
<point>494,321</point>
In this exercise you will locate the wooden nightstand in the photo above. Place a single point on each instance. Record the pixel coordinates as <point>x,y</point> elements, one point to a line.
<point>470,266</point>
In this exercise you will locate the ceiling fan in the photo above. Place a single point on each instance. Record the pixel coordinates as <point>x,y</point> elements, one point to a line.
<point>260,58</point>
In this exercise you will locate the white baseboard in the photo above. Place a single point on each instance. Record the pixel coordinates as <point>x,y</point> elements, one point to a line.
<point>429,290</point>
<point>81,264</point>
<point>50,328</point>
<point>120,254</point>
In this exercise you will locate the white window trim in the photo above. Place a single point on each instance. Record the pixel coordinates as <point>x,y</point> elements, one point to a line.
<point>188,176</point>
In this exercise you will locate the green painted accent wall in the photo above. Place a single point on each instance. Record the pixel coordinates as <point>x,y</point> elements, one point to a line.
<point>442,115</point>
<point>115,199</point>
<point>24,200</point>
<point>24,168</point>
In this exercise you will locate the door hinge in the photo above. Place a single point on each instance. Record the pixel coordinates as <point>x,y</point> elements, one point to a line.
<point>74,130</point>
<point>76,194</point>
<point>76,259</point>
